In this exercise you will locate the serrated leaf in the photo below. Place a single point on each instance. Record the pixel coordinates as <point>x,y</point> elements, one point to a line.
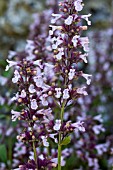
<point>66,141</point>
<point>3,153</point>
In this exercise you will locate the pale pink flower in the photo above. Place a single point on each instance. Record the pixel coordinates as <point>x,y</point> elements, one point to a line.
<point>98,118</point>
<point>87,77</point>
<point>54,28</point>
<point>16,76</point>
<point>69,20</point>
<point>55,160</point>
<point>23,94</point>
<point>15,115</point>
<point>44,100</point>
<point>39,81</point>
<point>83,57</point>
<point>86,17</point>
<point>75,40</point>
<point>71,74</point>
<point>11,54</point>
<point>79,126</point>
<point>82,91</point>
<point>32,88</point>
<point>3,80</point>
<point>60,54</point>
<point>98,128</point>
<point>66,94</point>
<point>55,18</point>
<point>78,5</point>
<point>57,125</point>
<point>44,140</point>
<point>11,64</point>
<point>58,92</point>
<point>34,105</point>
<point>85,43</point>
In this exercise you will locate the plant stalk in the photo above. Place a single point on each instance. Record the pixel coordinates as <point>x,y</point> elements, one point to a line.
<point>60,136</point>
<point>35,155</point>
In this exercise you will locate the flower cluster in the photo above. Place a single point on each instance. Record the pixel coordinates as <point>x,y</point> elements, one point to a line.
<point>32,96</point>
<point>69,49</point>
<point>40,94</point>
<point>46,101</point>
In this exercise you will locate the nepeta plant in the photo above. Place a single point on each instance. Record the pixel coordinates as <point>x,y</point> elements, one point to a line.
<point>69,50</point>
<point>44,99</point>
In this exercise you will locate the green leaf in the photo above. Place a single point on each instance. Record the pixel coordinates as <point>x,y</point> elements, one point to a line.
<point>66,141</point>
<point>2,116</point>
<point>3,153</point>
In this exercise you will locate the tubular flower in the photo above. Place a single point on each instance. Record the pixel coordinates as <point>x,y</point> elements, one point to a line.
<point>69,48</point>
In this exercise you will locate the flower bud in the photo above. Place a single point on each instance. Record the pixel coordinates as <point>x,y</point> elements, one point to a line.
<point>36,51</point>
<point>28,70</point>
<point>60,4</point>
<point>84,28</point>
<point>25,62</point>
<point>50,93</point>
<point>34,72</point>
<point>33,137</point>
<point>20,100</point>
<point>65,10</point>
<point>31,133</point>
<point>35,118</point>
<point>20,166</point>
<point>18,137</point>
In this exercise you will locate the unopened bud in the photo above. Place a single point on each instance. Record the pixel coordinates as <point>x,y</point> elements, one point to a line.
<point>22,113</point>
<point>78,29</point>
<point>54,165</point>
<point>35,118</point>
<point>18,137</point>
<point>55,51</point>
<point>50,93</point>
<point>19,100</point>
<point>25,62</point>
<point>72,31</point>
<point>19,118</point>
<point>53,84</point>
<point>65,10</point>
<point>59,28</point>
<point>66,71</point>
<point>31,133</point>
<point>21,138</point>
<point>34,72</point>
<point>28,70</point>
<point>60,4</point>
<point>84,28</point>
<point>82,4</point>
<point>36,51</point>
<point>21,72</point>
<point>20,166</point>
<point>33,137</point>
<point>71,129</point>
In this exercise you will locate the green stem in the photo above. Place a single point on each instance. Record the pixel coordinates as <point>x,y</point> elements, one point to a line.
<point>62,112</point>
<point>10,152</point>
<point>59,156</point>
<point>60,136</point>
<point>35,155</point>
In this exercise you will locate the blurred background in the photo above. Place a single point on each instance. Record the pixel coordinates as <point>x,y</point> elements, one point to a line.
<point>20,20</point>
